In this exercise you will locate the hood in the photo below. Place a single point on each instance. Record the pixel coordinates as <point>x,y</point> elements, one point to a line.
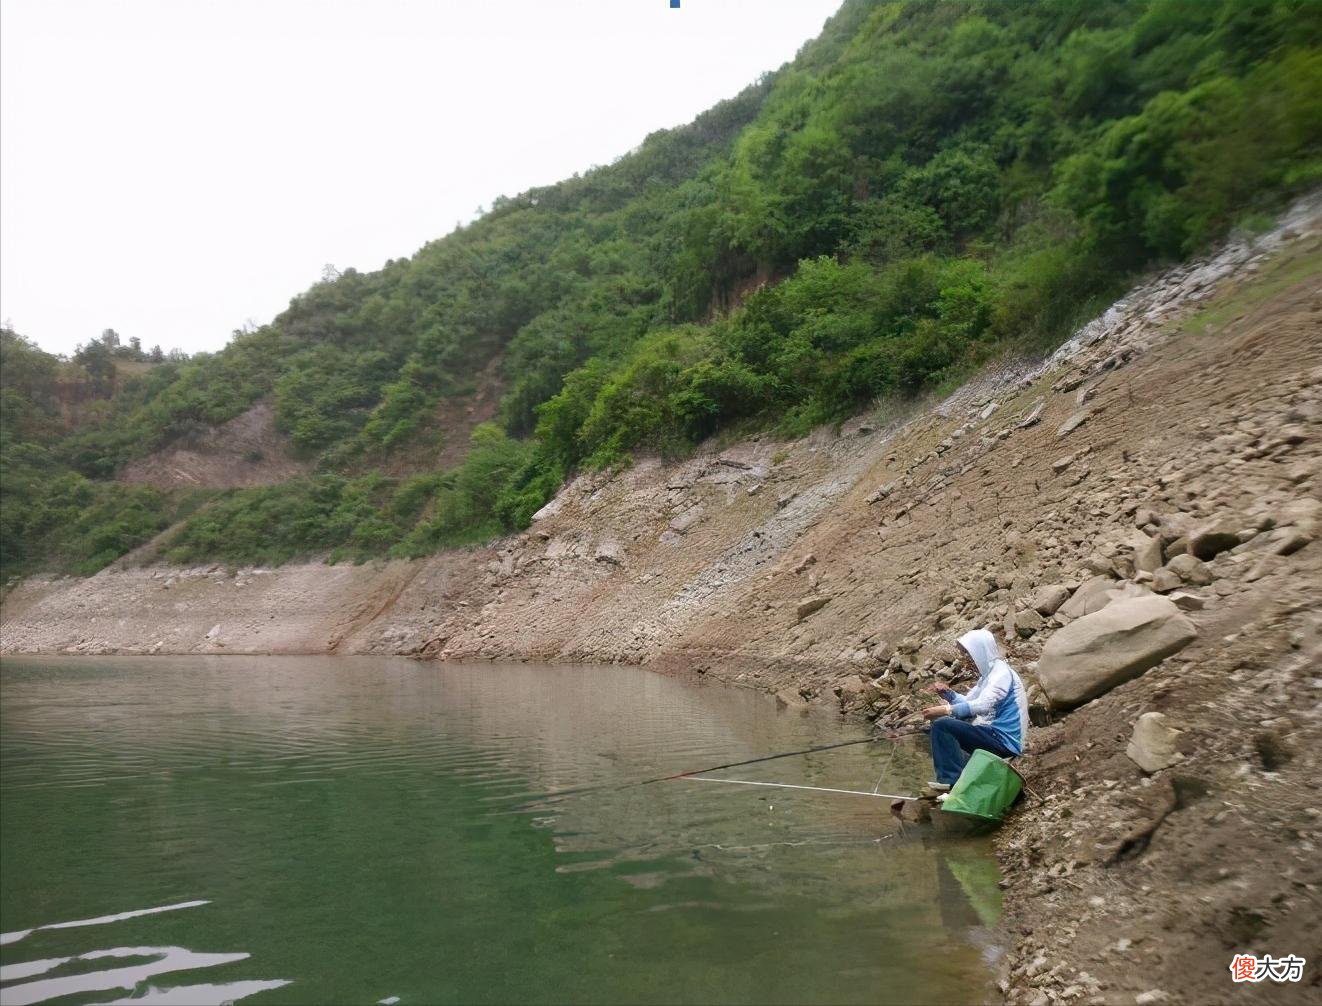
<point>982,647</point>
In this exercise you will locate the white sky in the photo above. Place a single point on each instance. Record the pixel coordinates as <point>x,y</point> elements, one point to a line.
<point>174,168</point>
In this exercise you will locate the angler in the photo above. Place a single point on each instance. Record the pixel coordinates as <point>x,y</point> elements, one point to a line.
<point>992,717</point>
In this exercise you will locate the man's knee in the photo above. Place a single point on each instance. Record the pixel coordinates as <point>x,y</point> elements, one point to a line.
<point>943,724</point>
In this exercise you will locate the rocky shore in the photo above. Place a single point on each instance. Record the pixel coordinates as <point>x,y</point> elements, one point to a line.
<point>1136,517</point>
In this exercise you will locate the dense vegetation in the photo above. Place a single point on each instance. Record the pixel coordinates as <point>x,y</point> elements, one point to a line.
<point>926,184</point>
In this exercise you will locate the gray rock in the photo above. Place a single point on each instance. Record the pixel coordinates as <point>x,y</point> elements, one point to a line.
<point>1150,997</point>
<point>1152,746</point>
<point>1191,570</point>
<point>687,519</point>
<point>1027,622</point>
<point>1046,600</point>
<point>881,493</point>
<point>1284,540</point>
<point>1091,596</point>
<point>1147,554</point>
<point>1092,655</point>
<point>607,551</point>
<point>1034,414</point>
<point>1186,601</point>
<point>1074,422</point>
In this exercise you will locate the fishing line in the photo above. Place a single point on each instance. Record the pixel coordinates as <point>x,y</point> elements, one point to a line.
<point>790,785</point>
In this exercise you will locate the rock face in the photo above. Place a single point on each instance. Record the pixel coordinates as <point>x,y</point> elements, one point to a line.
<point>1152,747</point>
<point>1099,651</point>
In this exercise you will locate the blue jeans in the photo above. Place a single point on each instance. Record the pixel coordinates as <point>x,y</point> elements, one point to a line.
<point>954,740</point>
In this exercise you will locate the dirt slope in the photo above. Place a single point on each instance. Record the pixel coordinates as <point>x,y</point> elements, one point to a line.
<point>838,569</point>
<point>246,451</point>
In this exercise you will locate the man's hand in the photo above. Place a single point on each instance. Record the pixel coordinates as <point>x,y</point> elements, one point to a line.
<point>939,685</point>
<point>936,712</point>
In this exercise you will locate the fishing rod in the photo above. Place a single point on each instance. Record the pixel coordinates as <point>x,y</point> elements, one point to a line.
<point>888,734</point>
<point>892,733</point>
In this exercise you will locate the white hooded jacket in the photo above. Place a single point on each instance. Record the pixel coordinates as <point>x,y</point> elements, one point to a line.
<point>998,700</point>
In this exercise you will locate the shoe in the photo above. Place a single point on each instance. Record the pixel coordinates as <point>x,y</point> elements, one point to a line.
<point>940,787</point>
<point>942,797</point>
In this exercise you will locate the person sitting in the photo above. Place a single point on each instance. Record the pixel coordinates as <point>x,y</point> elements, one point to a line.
<point>993,716</point>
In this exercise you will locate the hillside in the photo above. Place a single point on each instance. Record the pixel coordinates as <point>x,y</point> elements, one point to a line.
<point>925,187</point>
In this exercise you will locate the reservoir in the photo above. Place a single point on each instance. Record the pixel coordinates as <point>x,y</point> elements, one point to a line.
<point>362,830</point>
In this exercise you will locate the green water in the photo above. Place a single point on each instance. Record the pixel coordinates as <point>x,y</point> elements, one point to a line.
<point>356,831</point>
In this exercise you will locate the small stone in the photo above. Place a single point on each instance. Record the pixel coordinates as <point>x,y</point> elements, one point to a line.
<point>1151,996</point>
<point>1288,540</point>
<point>1073,423</point>
<point>1152,745</point>
<point>812,604</point>
<point>1186,601</point>
<point>687,519</point>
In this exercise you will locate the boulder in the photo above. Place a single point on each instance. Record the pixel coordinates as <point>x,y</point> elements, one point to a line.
<point>1152,746</point>
<point>1092,655</point>
<point>1047,599</point>
<point>1191,570</point>
<point>1090,597</point>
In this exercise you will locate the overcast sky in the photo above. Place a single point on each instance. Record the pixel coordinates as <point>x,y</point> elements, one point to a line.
<point>174,168</point>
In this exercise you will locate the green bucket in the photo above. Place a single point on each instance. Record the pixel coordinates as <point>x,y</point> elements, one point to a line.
<point>986,788</point>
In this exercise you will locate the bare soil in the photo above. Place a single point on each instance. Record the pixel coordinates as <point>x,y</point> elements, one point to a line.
<point>246,451</point>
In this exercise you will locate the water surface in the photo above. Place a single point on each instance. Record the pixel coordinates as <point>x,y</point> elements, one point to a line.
<point>300,830</point>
